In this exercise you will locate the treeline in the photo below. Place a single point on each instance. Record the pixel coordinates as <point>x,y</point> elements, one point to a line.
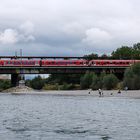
<point>125,52</point>
<point>103,81</point>
<point>56,82</point>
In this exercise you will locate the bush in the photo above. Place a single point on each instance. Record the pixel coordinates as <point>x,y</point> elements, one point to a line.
<point>37,83</point>
<point>86,80</point>
<point>4,84</point>
<point>96,83</point>
<point>110,81</point>
<point>66,86</point>
<point>50,87</point>
<point>132,77</point>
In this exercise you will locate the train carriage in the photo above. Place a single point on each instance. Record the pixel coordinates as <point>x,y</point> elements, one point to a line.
<point>112,63</point>
<point>19,63</point>
<point>51,63</point>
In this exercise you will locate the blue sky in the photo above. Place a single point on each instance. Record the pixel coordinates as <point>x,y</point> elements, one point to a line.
<point>67,27</point>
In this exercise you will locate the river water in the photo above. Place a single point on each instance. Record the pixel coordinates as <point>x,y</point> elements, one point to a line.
<point>52,117</point>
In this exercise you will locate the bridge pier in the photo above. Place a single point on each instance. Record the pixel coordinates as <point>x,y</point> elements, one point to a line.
<point>15,79</point>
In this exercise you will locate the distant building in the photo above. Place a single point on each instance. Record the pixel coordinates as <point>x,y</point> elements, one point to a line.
<point>4,76</point>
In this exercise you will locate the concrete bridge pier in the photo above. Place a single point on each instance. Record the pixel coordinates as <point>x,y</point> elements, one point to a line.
<point>15,79</point>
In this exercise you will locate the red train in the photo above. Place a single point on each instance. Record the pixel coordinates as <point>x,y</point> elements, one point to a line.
<point>62,63</point>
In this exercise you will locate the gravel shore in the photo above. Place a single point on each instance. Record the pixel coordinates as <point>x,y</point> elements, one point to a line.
<point>106,93</point>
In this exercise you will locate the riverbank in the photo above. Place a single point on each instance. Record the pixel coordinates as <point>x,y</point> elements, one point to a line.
<point>106,93</point>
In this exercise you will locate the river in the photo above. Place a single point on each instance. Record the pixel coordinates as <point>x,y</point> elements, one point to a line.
<point>55,117</point>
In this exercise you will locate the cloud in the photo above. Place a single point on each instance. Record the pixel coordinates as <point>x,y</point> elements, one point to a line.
<point>27,28</point>
<point>13,36</point>
<point>70,27</point>
<point>96,36</point>
<point>9,36</point>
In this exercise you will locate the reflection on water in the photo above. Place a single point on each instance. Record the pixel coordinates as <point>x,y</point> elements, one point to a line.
<point>33,117</point>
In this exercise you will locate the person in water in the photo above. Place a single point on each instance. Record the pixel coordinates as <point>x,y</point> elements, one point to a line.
<point>119,91</point>
<point>89,91</point>
<point>100,92</point>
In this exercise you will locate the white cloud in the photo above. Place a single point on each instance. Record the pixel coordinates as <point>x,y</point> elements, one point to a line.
<point>13,36</point>
<point>96,36</point>
<point>9,36</point>
<point>73,24</point>
<point>27,28</point>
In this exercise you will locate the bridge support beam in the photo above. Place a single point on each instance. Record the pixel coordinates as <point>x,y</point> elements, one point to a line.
<point>14,79</point>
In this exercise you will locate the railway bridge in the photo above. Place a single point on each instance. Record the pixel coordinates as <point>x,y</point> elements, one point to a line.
<point>15,71</point>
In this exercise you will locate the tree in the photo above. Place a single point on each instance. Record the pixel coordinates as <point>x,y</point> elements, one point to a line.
<point>63,78</point>
<point>96,82</point>
<point>104,56</point>
<point>4,84</point>
<point>86,80</point>
<point>124,52</point>
<point>132,77</point>
<point>91,56</point>
<point>110,81</point>
<point>37,83</point>
<point>136,46</point>
<point>136,51</point>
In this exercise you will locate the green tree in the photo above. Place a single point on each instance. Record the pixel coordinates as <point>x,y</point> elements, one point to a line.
<point>124,52</point>
<point>110,81</point>
<point>86,80</point>
<point>4,84</point>
<point>105,56</point>
<point>37,83</point>
<point>91,56</point>
<point>132,77</point>
<point>96,82</point>
<point>136,51</point>
<point>63,78</point>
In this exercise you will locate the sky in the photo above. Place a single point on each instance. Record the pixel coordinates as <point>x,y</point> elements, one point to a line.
<point>67,27</point>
